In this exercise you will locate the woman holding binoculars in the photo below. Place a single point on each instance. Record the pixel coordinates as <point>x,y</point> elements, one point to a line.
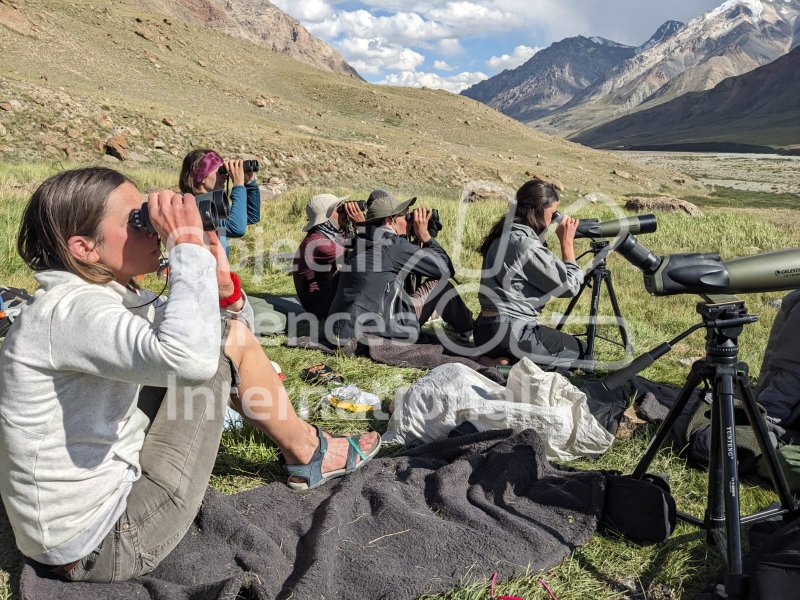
<point>520,274</point>
<point>112,398</point>
<point>201,173</point>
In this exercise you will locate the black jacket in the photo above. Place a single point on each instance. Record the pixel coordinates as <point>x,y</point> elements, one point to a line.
<point>371,298</point>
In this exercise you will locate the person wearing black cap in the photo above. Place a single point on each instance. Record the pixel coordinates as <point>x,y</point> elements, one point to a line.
<point>372,299</point>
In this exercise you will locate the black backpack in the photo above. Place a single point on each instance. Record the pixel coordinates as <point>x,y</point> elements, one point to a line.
<point>642,510</point>
<point>774,562</point>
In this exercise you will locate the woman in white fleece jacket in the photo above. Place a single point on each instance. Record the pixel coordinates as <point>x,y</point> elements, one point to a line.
<point>112,399</point>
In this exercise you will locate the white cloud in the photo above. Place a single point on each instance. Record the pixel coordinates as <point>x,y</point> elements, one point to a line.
<point>450,47</point>
<point>404,28</point>
<point>469,18</point>
<point>311,11</point>
<point>454,83</point>
<point>372,56</point>
<point>442,65</point>
<point>356,23</point>
<point>510,61</point>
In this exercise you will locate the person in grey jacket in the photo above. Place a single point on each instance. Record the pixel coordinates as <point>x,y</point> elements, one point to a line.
<point>112,398</point>
<point>520,274</point>
<point>372,296</point>
<point>778,388</point>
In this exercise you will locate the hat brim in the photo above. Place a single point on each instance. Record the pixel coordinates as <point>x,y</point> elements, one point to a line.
<point>320,219</point>
<point>400,208</point>
<point>406,204</point>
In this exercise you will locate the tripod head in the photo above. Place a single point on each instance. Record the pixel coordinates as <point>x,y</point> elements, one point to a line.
<point>723,319</point>
<point>597,246</point>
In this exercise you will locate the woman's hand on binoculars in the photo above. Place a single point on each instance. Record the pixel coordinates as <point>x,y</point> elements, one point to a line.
<point>175,218</point>
<point>421,216</point>
<point>235,169</point>
<point>354,213</point>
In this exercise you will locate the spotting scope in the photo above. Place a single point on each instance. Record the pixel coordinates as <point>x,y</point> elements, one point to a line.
<point>709,274</point>
<point>595,229</point>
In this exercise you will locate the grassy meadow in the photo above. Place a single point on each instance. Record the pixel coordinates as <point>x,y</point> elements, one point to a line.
<point>606,567</point>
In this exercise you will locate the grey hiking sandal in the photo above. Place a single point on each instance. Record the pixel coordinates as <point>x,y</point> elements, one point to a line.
<point>311,472</point>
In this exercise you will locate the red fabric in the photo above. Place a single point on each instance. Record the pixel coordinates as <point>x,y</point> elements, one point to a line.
<point>235,296</point>
<point>314,269</point>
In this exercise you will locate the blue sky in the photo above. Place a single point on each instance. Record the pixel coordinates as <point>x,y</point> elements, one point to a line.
<point>454,44</point>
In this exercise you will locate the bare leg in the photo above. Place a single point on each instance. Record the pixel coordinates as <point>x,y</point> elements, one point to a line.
<point>263,401</point>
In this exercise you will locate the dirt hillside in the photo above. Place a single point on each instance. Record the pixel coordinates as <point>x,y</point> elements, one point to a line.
<point>77,79</point>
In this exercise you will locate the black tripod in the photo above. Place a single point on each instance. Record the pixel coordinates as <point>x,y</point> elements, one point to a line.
<point>723,319</point>
<point>595,279</point>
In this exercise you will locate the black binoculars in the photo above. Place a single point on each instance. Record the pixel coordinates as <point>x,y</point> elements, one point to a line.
<point>250,166</point>
<point>434,224</point>
<point>362,205</point>
<point>213,207</point>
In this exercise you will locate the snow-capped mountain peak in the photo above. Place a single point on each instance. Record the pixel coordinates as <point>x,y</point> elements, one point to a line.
<point>604,42</point>
<point>755,6</point>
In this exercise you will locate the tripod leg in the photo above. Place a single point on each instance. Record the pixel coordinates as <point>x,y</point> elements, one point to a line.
<point>762,436</point>
<point>694,378</point>
<point>591,328</point>
<point>729,485</point>
<point>714,522</point>
<point>617,313</point>
<point>572,304</point>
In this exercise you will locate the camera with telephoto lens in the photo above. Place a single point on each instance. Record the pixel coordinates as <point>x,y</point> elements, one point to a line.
<point>250,166</point>
<point>434,224</point>
<point>213,207</point>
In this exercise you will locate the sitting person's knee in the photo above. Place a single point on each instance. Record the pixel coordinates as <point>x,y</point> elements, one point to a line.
<point>240,341</point>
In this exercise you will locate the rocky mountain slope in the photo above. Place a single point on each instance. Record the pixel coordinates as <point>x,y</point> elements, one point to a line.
<point>259,21</point>
<point>550,78</point>
<point>108,80</point>
<point>663,33</point>
<point>554,76</point>
<point>761,107</point>
<point>735,38</point>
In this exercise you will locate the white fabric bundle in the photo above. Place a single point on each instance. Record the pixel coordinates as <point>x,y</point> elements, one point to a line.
<point>532,399</point>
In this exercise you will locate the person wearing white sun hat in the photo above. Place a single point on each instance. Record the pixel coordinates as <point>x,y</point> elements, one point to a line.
<point>315,270</point>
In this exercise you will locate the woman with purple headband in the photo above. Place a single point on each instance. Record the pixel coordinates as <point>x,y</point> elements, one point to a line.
<point>200,174</point>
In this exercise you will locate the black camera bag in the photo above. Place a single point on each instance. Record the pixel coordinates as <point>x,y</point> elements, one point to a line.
<point>774,563</point>
<point>642,510</point>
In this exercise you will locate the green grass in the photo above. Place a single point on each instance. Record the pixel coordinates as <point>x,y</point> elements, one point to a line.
<point>606,567</point>
<point>725,197</point>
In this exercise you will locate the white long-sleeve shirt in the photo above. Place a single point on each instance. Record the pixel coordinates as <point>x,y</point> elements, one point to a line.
<point>71,369</point>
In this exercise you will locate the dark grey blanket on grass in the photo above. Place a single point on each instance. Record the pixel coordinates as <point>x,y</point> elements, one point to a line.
<point>426,355</point>
<point>400,527</point>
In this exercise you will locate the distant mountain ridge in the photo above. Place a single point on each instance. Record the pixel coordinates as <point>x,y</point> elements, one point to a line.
<point>258,21</point>
<point>761,107</point>
<point>666,31</point>
<point>550,78</point>
<point>554,76</point>
<point>735,38</point>
<point>581,87</point>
